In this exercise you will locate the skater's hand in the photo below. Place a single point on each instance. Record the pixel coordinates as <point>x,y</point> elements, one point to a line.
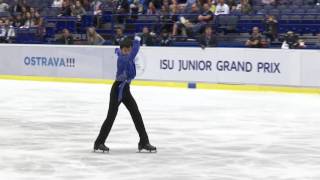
<point>117,51</point>
<point>137,38</point>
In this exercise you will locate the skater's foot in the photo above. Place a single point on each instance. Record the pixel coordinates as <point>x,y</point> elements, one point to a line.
<point>147,147</point>
<point>101,147</point>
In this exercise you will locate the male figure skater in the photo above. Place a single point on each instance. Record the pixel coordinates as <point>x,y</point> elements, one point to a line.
<point>120,93</point>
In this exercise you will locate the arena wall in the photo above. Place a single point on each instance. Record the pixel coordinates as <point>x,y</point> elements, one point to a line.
<point>241,66</point>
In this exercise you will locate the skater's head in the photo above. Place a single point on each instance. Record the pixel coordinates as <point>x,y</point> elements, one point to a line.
<point>126,46</point>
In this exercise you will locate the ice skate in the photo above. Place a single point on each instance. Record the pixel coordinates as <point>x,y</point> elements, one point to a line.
<point>147,147</point>
<point>101,147</point>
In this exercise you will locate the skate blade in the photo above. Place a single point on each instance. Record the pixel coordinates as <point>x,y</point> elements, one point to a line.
<point>100,151</point>
<point>147,152</point>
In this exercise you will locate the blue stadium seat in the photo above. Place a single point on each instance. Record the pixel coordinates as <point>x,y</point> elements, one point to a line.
<point>61,23</point>
<point>87,21</point>
<point>297,2</point>
<point>309,19</point>
<point>299,11</point>
<point>274,12</point>
<point>312,11</point>
<point>295,19</point>
<point>5,14</point>
<point>286,11</point>
<point>282,7</point>
<point>262,11</point>
<point>185,44</point>
<point>268,7</point>
<point>28,36</point>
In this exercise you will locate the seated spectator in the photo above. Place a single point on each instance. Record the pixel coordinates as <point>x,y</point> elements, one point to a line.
<point>96,6</point>
<point>302,44</point>
<point>166,3</point>
<point>222,8</point>
<point>244,7</point>
<point>168,16</point>
<point>264,43</point>
<point>152,9</point>
<point>165,18</point>
<point>2,32</point>
<point>57,4</point>
<point>38,20</point>
<point>291,41</point>
<point>174,13</point>
<point>123,7</point>
<point>212,6</point>
<point>10,31</point>
<point>147,37</point>
<point>158,3</point>
<point>32,12</point>
<point>181,9</point>
<point>135,9</point>
<point>297,44</point>
<point>208,39</point>
<point>23,3</point>
<point>4,7</point>
<point>187,22</point>
<point>93,38</point>
<point>204,18</point>
<point>189,3</point>
<point>271,28</point>
<point>18,21</point>
<point>255,40</point>
<point>118,37</point>
<point>86,5</point>
<point>77,10</point>
<point>7,31</point>
<point>65,9</point>
<point>15,7</point>
<point>65,38</point>
<point>165,9</point>
<point>29,21</point>
<point>165,39</point>
<point>232,5</point>
<point>24,11</point>
<point>201,2</point>
<point>39,24</point>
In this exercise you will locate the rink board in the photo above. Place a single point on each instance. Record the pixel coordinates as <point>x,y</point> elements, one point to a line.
<point>262,67</point>
<point>232,87</point>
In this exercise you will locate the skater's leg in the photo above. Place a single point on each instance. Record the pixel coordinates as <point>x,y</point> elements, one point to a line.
<point>112,113</point>
<point>132,106</point>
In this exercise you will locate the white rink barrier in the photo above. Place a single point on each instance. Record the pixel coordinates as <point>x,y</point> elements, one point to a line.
<point>214,65</point>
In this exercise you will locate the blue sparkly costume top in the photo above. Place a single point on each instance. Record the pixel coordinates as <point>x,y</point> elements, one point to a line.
<point>126,68</point>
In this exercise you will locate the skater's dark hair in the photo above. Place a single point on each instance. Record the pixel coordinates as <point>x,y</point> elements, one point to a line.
<point>126,43</point>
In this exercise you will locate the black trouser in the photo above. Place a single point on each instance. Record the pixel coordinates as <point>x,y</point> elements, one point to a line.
<point>131,105</point>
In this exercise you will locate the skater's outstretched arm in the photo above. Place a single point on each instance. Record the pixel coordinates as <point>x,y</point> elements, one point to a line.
<point>135,48</point>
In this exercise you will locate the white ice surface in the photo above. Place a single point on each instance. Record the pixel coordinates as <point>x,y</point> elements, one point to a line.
<point>47,131</point>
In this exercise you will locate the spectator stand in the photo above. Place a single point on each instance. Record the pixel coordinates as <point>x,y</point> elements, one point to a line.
<point>299,16</point>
